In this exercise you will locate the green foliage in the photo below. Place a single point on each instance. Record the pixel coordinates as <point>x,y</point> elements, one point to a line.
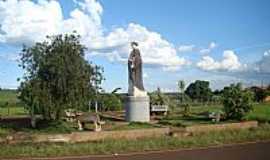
<point>260,112</point>
<point>237,102</point>
<point>12,111</point>
<point>216,99</point>
<point>57,76</point>
<point>111,102</point>
<point>8,98</point>
<point>53,127</point>
<point>158,98</point>
<point>181,86</point>
<point>186,111</point>
<point>199,91</point>
<point>260,93</point>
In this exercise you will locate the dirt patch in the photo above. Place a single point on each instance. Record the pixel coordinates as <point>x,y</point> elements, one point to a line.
<point>218,127</point>
<point>97,136</point>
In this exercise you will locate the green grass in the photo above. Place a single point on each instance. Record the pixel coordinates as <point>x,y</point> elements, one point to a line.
<point>198,115</point>
<point>43,127</point>
<point>8,96</point>
<point>47,127</point>
<point>206,108</point>
<point>261,113</point>
<point>13,111</point>
<point>134,125</point>
<point>146,144</point>
<point>10,105</point>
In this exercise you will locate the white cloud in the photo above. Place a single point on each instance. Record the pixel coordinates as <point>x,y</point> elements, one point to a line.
<point>28,22</point>
<point>186,48</point>
<point>145,75</point>
<point>229,62</point>
<point>205,51</point>
<point>9,57</point>
<point>263,66</point>
<point>154,49</point>
<point>266,53</point>
<point>211,46</point>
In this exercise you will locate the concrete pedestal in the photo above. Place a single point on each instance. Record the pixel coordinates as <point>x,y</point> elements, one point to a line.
<point>137,109</point>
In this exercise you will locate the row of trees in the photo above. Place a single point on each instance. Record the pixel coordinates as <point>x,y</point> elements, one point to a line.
<point>200,91</point>
<point>260,92</point>
<point>236,100</point>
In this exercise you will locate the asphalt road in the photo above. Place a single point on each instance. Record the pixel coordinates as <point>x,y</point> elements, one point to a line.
<point>250,151</point>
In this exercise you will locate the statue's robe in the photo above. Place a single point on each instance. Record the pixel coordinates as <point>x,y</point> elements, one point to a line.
<point>135,70</point>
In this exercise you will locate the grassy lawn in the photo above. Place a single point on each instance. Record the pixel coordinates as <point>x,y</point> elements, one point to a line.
<point>198,115</point>
<point>8,96</point>
<point>10,105</point>
<point>43,127</point>
<point>133,125</point>
<point>260,113</point>
<point>146,144</point>
<point>13,111</point>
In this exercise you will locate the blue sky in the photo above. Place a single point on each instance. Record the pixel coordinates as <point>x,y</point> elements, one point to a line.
<point>223,41</point>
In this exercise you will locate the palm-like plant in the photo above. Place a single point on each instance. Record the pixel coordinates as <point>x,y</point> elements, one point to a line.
<point>181,86</point>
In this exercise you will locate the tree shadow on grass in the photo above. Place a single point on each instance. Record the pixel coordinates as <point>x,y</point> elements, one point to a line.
<point>43,126</point>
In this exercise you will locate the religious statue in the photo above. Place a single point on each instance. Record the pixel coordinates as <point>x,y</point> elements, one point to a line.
<point>137,103</point>
<point>135,74</point>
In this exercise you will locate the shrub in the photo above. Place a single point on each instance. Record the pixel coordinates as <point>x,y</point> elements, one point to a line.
<point>237,102</point>
<point>186,112</point>
<point>111,102</point>
<point>158,98</point>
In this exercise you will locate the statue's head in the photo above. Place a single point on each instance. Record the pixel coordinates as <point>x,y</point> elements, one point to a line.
<point>134,45</point>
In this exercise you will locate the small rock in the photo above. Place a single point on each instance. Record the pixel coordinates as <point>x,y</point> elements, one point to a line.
<point>9,138</point>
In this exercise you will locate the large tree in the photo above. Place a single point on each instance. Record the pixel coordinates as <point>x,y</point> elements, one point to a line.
<point>259,92</point>
<point>57,76</point>
<point>237,101</point>
<point>199,91</point>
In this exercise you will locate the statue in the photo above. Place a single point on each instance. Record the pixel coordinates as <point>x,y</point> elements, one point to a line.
<point>135,74</point>
<point>137,103</point>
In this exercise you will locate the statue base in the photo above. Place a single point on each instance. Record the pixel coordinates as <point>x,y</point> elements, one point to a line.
<point>137,109</point>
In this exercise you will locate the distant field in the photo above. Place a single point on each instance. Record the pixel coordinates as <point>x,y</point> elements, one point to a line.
<point>13,111</point>
<point>9,104</point>
<point>8,96</point>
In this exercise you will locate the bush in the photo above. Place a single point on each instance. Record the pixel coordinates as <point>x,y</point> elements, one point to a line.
<point>158,98</point>
<point>111,102</point>
<point>237,102</point>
